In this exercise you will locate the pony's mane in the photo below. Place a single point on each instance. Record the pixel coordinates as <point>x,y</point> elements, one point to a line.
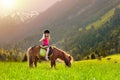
<point>61,50</point>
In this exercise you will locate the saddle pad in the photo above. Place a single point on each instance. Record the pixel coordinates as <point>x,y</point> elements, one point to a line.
<point>43,52</point>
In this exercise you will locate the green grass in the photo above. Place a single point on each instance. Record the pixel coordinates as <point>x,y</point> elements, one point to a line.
<point>82,70</point>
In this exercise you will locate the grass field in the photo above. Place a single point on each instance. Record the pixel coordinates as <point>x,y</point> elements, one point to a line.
<point>82,70</point>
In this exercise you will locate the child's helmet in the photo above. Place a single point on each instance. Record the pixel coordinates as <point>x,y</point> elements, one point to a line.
<point>46,31</point>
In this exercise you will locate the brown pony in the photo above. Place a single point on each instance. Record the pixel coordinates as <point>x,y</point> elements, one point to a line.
<point>33,56</point>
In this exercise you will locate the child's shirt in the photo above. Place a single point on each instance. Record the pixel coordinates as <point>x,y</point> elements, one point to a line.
<point>45,42</point>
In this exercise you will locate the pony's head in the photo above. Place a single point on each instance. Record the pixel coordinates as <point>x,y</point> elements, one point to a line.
<point>64,56</point>
<point>68,60</point>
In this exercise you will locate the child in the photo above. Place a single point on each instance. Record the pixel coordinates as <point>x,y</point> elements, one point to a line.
<point>45,42</point>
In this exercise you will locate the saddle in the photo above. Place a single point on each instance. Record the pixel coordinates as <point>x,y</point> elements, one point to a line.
<point>43,51</point>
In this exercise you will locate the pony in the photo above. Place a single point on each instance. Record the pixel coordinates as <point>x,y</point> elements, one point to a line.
<point>33,55</point>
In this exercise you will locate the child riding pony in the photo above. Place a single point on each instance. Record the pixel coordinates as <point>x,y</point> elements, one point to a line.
<point>33,54</point>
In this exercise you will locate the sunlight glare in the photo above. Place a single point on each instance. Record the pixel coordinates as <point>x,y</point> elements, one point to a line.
<point>8,4</point>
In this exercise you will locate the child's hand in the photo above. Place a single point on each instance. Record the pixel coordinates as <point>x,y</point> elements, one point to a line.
<point>42,38</point>
<point>39,40</point>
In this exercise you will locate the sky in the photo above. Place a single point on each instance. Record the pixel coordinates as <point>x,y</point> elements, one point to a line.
<point>25,5</point>
<point>40,5</point>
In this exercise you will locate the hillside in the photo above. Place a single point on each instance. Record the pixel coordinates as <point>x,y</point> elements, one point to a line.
<point>74,38</point>
<point>101,37</point>
<point>24,28</point>
<point>11,26</point>
<point>81,27</point>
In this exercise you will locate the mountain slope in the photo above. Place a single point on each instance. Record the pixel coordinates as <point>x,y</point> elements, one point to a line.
<point>11,29</point>
<point>24,29</point>
<point>73,26</point>
<point>53,14</point>
<point>101,37</point>
<point>77,13</point>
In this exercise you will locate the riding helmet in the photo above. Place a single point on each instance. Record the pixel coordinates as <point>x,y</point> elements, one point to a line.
<point>46,31</point>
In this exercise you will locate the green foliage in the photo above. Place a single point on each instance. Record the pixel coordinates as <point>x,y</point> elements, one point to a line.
<point>11,55</point>
<point>93,56</point>
<point>102,36</point>
<point>82,70</point>
<point>102,20</point>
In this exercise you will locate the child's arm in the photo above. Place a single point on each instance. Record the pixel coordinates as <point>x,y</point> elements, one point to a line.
<point>41,38</point>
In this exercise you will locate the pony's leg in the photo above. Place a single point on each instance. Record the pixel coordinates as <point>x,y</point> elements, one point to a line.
<point>53,63</point>
<point>30,62</point>
<point>31,65</point>
<point>35,61</point>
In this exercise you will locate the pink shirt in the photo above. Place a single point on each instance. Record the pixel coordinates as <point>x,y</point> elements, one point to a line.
<point>45,42</point>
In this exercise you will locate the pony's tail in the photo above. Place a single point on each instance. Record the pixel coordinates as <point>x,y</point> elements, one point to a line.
<point>29,59</point>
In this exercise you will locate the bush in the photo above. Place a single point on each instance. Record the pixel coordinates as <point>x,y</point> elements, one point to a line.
<point>93,56</point>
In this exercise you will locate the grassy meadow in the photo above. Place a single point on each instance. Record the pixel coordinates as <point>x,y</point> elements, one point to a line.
<point>106,69</point>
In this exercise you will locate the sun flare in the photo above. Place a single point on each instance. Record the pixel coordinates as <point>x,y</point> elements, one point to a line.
<point>8,4</point>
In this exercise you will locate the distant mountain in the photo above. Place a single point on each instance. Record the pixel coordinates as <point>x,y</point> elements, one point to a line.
<point>25,25</point>
<point>23,15</point>
<point>11,28</point>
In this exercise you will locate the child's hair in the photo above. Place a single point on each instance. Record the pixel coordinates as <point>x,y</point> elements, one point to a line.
<point>46,31</point>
